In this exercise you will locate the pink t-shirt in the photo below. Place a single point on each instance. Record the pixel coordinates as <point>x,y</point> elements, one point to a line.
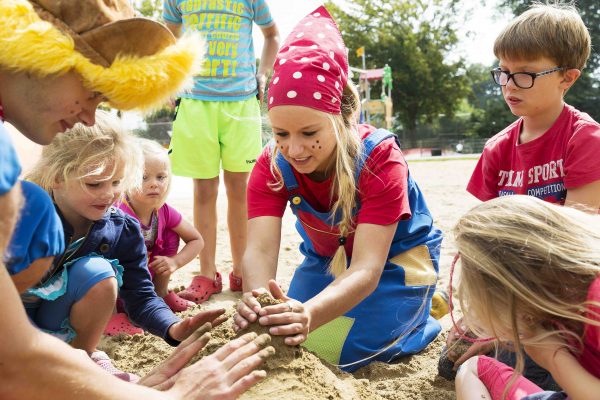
<point>564,157</point>
<point>167,240</point>
<point>382,194</point>
<point>590,357</point>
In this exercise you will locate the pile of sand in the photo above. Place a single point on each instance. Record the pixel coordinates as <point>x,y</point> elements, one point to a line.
<point>294,373</point>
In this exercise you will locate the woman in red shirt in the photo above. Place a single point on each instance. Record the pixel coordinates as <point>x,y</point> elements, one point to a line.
<point>363,291</point>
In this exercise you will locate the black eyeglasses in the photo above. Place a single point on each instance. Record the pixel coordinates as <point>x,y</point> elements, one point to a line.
<point>524,80</point>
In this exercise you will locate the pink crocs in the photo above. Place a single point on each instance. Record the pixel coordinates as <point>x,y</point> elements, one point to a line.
<point>119,324</point>
<point>102,359</point>
<point>202,288</point>
<point>176,303</point>
<point>235,282</point>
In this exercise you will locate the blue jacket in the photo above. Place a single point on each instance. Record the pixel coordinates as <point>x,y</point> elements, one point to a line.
<point>118,236</point>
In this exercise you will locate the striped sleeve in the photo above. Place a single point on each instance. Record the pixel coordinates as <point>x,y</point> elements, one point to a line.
<point>262,15</point>
<point>171,12</point>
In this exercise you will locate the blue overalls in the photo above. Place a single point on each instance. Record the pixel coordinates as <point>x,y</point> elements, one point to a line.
<point>394,320</point>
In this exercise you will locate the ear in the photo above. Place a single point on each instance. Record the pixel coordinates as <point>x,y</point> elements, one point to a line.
<point>570,76</point>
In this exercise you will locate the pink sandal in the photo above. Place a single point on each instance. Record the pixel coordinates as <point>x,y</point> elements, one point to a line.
<point>202,288</point>
<point>102,359</point>
<point>119,324</point>
<point>235,282</point>
<point>176,303</point>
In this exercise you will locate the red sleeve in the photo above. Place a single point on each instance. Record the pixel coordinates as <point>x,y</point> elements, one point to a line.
<point>582,164</point>
<point>382,186</point>
<point>264,200</point>
<point>483,182</point>
<point>172,217</point>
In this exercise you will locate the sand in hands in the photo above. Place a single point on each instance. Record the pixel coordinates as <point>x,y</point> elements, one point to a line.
<point>295,373</point>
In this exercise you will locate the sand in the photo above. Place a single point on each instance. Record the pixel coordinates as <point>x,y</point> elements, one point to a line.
<point>295,373</point>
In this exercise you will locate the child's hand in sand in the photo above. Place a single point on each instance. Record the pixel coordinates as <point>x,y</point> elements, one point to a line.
<point>225,374</point>
<point>460,350</point>
<point>181,330</point>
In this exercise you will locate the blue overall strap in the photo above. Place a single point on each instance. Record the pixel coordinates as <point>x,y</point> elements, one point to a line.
<point>370,143</point>
<point>289,180</point>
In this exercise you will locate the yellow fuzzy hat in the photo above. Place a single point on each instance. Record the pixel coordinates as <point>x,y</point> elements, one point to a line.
<point>135,62</point>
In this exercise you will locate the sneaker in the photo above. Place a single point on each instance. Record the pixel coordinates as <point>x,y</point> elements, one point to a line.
<point>102,359</point>
<point>235,282</point>
<point>439,304</point>
<point>202,288</point>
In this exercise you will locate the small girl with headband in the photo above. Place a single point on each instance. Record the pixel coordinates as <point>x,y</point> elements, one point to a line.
<point>530,276</point>
<point>363,291</point>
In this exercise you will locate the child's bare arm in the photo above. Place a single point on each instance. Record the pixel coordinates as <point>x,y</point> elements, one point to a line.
<point>578,383</point>
<point>193,243</point>
<point>585,198</point>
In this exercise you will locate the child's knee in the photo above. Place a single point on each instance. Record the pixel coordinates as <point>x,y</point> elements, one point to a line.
<point>91,273</point>
<point>467,371</point>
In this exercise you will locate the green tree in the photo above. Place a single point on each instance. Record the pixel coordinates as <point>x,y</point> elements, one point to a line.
<point>415,39</point>
<point>584,94</point>
<point>149,8</point>
<point>490,113</point>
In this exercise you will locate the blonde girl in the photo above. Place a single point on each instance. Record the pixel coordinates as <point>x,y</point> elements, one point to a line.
<point>162,226</point>
<point>85,170</point>
<point>363,291</point>
<point>530,276</point>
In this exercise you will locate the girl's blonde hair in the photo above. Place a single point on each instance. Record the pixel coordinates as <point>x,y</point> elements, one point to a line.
<point>89,150</point>
<point>153,149</point>
<point>526,269</point>
<point>348,149</point>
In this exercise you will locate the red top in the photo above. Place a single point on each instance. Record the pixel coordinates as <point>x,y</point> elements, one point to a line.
<point>590,358</point>
<point>564,157</point>
<point>382,193</point>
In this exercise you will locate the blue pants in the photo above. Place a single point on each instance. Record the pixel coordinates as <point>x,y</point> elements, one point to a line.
<point>83,274</point>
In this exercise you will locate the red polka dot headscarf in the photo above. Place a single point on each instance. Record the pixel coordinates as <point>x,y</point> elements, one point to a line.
<point>311,68</point>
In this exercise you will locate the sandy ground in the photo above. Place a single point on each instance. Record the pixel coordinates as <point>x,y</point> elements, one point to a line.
<point>302,375</point>
<point>295,373</point>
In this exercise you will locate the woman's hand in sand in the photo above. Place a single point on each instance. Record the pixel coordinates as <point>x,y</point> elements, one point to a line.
<point>225,374</point>
<point>290,317</point>
<point>183,329</point>
<point>247,309</point>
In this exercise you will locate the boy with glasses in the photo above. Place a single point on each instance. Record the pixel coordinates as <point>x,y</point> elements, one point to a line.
<point>550,152</point>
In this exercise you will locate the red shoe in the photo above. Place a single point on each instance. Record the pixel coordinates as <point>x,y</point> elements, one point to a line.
<point>176,303</point>
<point>235,282</point>
<point>202,288</point>
<point>119,324</point>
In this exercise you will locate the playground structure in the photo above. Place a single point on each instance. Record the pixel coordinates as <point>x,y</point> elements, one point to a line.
<point>383,105</point>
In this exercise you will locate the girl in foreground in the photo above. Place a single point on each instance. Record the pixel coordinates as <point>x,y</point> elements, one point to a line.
<point>530,276</point>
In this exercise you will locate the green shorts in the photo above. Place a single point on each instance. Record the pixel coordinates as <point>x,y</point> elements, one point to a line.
<point>207,134</point>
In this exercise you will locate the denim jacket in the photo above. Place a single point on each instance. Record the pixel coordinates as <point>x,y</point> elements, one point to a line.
<point>118,236</point>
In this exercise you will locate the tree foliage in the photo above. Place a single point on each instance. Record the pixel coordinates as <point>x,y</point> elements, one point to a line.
<point>149,8</point>
<point>490,113</point>
<point>584,95</point>
<point>415,38</point>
